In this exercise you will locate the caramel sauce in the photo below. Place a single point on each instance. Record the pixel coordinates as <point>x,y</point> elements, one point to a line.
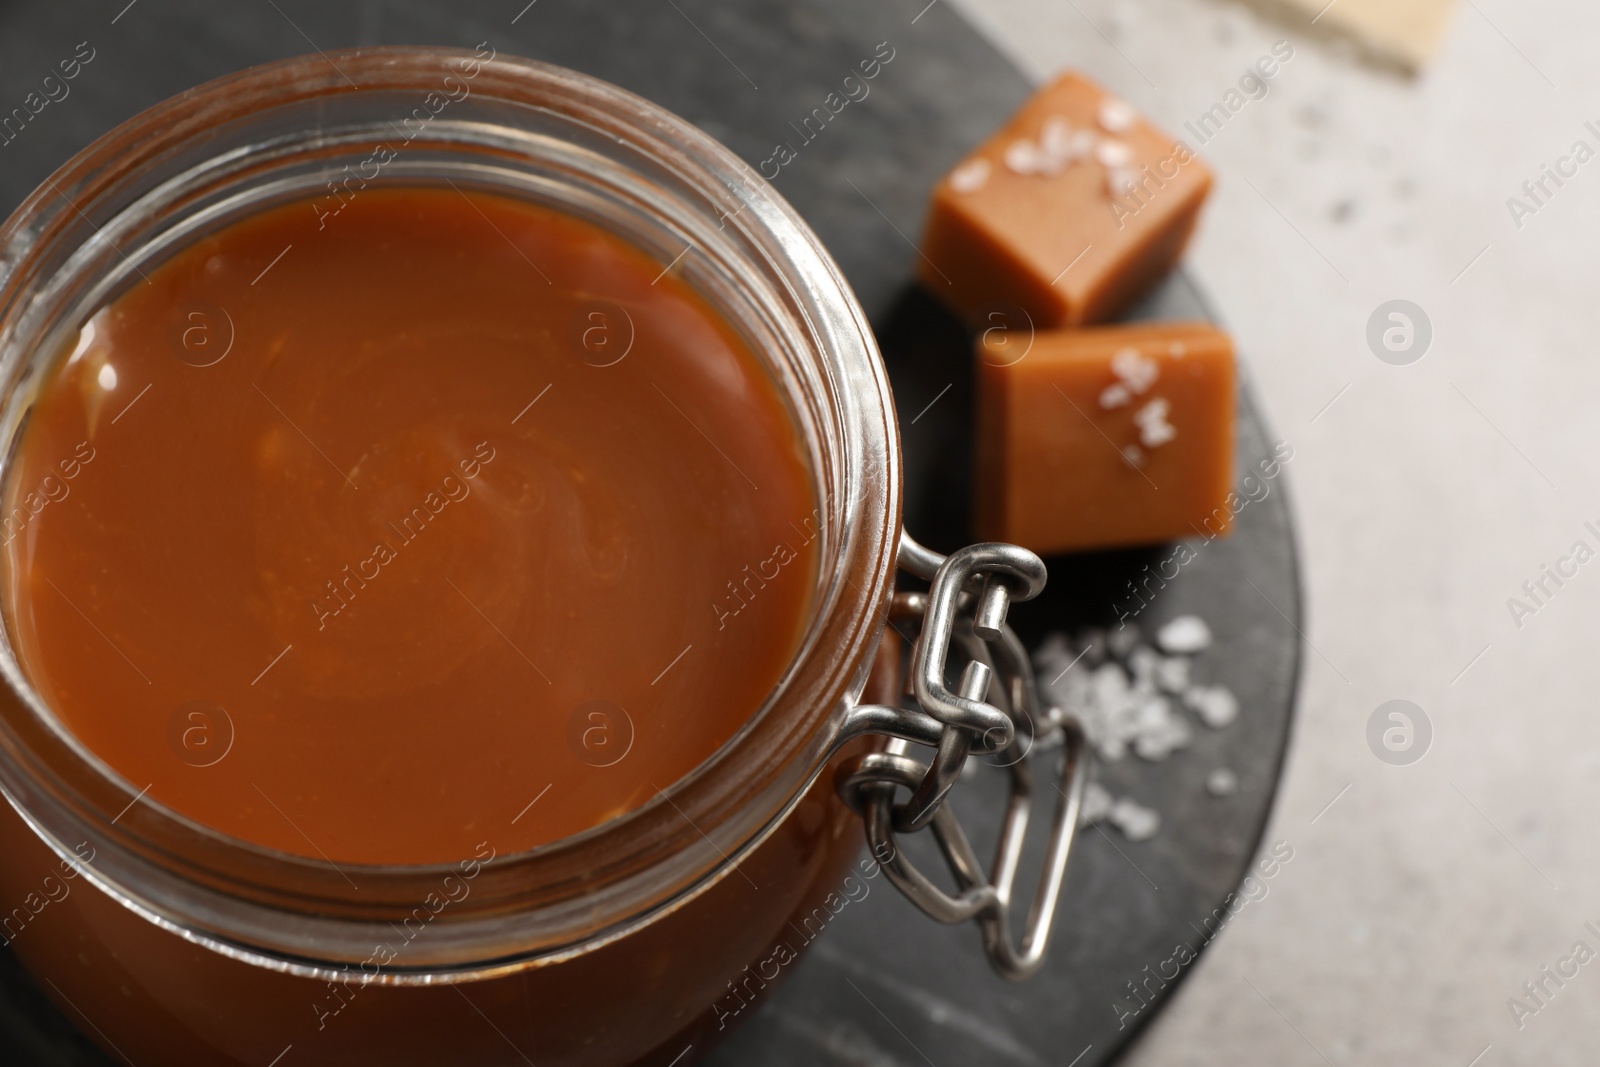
<point>447,519</point>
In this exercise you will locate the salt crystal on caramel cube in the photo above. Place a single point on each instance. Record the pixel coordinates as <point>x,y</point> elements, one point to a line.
<point>1072,210</point>
<point>1105,437</point>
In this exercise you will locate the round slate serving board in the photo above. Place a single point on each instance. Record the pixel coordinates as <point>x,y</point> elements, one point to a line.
<point>885,986</point>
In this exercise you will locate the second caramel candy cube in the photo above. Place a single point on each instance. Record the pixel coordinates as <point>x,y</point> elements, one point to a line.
<point>1105,437</point>
<point>1073,210</point>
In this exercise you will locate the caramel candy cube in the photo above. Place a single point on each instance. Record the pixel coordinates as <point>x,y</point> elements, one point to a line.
<point>1073,210</point>
<point>1105,437</point>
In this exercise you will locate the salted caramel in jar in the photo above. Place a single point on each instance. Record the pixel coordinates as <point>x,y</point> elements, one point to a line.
<point>448,503</point>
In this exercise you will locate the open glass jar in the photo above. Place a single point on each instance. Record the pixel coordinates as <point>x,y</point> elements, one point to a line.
<point>631,942</point>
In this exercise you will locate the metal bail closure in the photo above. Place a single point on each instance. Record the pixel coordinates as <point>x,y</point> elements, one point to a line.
<point>966,603</point>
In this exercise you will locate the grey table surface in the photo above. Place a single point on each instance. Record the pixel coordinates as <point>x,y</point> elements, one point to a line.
<point>1423,899</point>
<point>885,985</point>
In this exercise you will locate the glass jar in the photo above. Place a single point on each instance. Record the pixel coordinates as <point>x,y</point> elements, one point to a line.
<point>640,940</point>
<point>637,941</point>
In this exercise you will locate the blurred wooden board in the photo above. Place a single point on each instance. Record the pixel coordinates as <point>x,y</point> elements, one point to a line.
<point>1406,32</point>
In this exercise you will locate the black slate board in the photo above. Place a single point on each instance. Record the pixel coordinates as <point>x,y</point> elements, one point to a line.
<point>885,986</point>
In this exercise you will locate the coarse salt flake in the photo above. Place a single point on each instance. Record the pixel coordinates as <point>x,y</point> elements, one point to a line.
<point>1137,371</point>
<point>1154,429</point>
<point>1114,396</point>
<point>1113,153</point>
<point>1222,782</point>
<point>1142,663</point>
<point>1064,145</point>
<point>1055,137</point>
<point>1122,181</point>
<point>1123,640</point>
<point>1172,674</point>
<point>1159,731</point>
<point>1024,157</point>
<point>1097,804</point>
<point>1116,115</point>
<point>1137,823</point>
<point>971,176</point>
<point>1184,636</point>
<point>1215,704</point>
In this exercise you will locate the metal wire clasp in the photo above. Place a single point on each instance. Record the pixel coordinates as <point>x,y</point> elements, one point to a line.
<point>966,603</point>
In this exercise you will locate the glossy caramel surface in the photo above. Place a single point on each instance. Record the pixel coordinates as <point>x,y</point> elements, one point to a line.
<point>374,535</point>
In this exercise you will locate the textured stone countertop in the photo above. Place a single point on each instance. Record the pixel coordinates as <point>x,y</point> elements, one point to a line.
<point>1421,897</point>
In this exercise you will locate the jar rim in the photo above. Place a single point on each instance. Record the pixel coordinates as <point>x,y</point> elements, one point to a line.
<point>294,912</point>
